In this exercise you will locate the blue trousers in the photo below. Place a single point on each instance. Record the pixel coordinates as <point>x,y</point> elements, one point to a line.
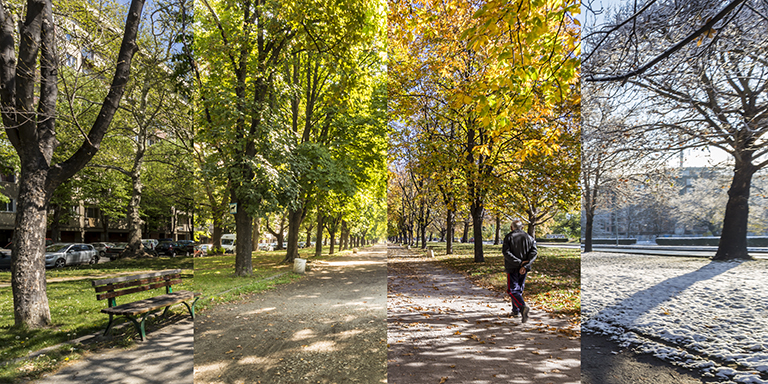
<point>515,286</point>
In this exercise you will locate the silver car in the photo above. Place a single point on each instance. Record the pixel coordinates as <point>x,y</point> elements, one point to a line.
<point>61,254</point>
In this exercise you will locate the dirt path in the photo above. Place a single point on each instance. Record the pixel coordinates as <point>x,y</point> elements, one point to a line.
<point>443,329</point>
<point>326,328</point>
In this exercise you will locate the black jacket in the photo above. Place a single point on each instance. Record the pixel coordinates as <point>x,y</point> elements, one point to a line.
<point>519,249</point>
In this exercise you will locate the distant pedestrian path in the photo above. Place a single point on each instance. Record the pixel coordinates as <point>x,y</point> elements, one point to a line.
<point>442,328</point>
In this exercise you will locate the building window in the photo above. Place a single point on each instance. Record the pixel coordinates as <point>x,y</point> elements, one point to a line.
<point>11,178</point>
<point>8,207</point>
<point>92,212</point>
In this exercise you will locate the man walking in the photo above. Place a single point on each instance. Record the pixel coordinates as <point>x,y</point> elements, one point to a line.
<point>519,250</point>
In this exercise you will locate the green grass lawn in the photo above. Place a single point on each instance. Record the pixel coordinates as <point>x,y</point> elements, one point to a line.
<point>75,312</point>
<point>554,282</point>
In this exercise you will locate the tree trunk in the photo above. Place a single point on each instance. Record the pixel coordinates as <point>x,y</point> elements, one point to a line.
<point>31,128</point>
<point>733,241</point>
<point>497,236</point>
<point>134,247</point>
<point>309,237</point>
<point>532,225</point>
<point>588,225</point>
<point>30,307</point>
<point>295,217</point>
<point>449,235</point>
<point>332,236</point>
<point>243,250</point>
<point>477,210</point>
<point>319,235</point>
<point>343,241</point>
<point>424,237</point>
<point>217,232</point>
<point>464,237</point>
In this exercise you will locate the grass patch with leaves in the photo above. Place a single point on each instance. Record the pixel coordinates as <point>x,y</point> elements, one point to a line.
<point>75,312</point>
<point>554,282</point>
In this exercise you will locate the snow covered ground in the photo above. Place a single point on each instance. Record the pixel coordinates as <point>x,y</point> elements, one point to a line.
<point>693,312</point>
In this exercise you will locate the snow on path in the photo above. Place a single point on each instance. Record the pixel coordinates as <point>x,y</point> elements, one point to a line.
<point>442,328</point>
<point>696,313</point>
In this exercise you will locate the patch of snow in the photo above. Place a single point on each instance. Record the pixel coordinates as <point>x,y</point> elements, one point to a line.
<point>691,312</point>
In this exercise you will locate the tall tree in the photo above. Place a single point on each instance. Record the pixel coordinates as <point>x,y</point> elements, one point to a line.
<point>701,68</point>
<point>30,125</point>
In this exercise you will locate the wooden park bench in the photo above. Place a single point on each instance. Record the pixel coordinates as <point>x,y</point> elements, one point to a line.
<point>109,289</point>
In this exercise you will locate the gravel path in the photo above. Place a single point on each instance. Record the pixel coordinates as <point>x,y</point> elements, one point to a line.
<point>328,327</point>
<point>443,329</point>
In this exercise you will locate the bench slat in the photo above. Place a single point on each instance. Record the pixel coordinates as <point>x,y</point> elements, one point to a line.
<point>151,304</point>
<point>112,287</point>
<point>120,279</point>
<point>110,295</point>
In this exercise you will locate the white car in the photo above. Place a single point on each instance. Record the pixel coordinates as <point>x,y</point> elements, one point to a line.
<point>62,254</point>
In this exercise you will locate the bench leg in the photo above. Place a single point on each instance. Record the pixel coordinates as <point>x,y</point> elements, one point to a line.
<point>191,308</point>
<point>139,325</point>
<point>109,325</point>
<point>165,312</point>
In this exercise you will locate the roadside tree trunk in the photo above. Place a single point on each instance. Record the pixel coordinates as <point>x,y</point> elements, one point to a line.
<point>295,217</point>
<point>477,211</point>
<point>449,232</point>
<point>243,250</point>
<point>319,234</point>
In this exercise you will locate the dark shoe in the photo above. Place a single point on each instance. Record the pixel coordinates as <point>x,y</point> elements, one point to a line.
<point>525,311</point>
<point>514,314</point>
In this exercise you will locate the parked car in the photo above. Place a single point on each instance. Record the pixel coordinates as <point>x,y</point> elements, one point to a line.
<point>102,248</point>
<point>61,254</point>
<point>266,247</point>
<point>5,259</point>
<point>118,248</point>
<point>185,247</point>
<point>115,250</point>
<point>150,243</point>
<point>173,248</point>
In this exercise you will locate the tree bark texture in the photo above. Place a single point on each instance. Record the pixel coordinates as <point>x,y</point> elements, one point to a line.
<point>243,250</point>
<point>28,249</point>
<point>319,234</point>
<point>295,217</point>
<point>477,211</point>
<point>733,241</point>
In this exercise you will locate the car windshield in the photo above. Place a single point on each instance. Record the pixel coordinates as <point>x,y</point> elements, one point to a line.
<point>226,241</point>
<point>56,247</point>
<point>119,245</point>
